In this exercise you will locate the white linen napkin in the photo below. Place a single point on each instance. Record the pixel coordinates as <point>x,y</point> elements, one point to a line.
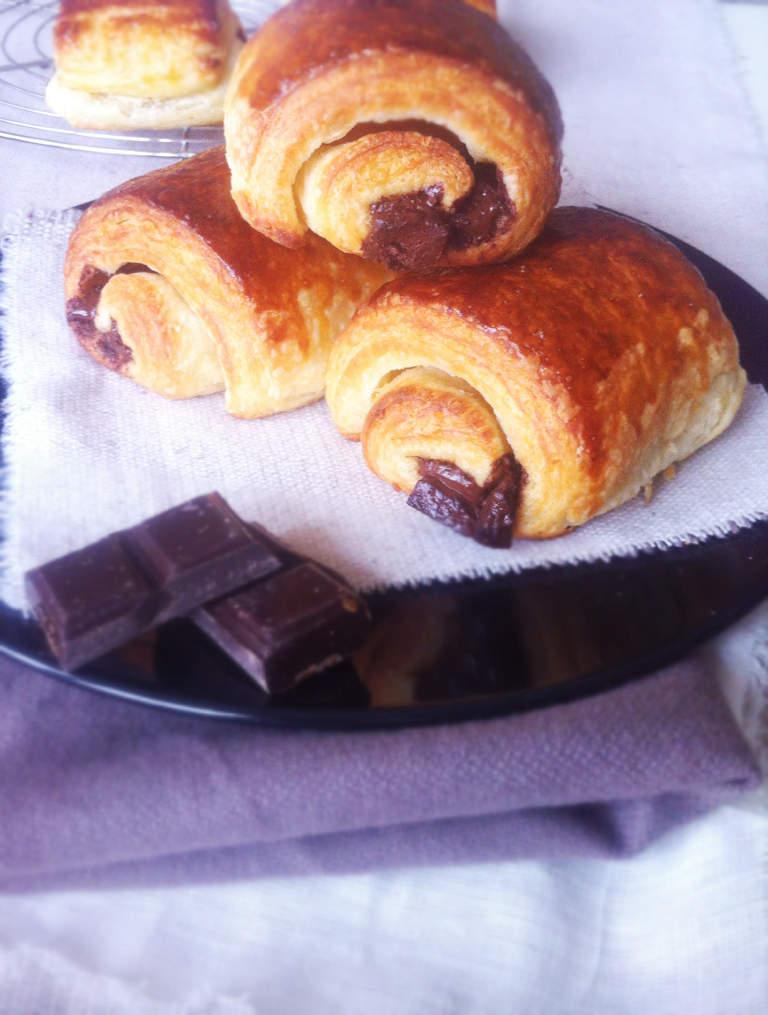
<point>660,133</point>
<point>88,451</point>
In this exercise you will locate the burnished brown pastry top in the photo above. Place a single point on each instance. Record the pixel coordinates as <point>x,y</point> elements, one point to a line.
<point>489,6</point>
<point>308,34</point>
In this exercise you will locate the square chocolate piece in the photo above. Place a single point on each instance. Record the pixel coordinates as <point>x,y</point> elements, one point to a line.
<point>288,626</point>
<point>198,551</point>
<point>91,600</point>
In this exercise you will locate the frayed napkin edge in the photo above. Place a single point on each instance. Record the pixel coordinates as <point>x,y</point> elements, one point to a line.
<point>15,226</point>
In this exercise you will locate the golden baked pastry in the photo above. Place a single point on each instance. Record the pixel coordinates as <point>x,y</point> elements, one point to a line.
<point>166,284</point>
<point>526,398</point>
<point>141,65</point>
<point>413,133</point>
<point>489,6</point>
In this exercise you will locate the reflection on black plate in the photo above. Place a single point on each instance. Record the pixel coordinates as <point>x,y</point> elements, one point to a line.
<point>482,648</point>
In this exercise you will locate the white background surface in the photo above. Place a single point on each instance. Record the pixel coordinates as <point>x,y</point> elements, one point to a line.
<point>683,928</point>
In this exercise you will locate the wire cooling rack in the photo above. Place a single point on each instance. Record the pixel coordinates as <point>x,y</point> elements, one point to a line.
<point>26,64</point>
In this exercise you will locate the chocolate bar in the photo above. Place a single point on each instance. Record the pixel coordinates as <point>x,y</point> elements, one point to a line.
<point>97,598</point>
<point>289,625</point>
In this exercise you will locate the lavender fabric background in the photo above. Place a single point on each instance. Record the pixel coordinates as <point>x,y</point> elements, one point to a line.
<point>93,789</point>
<point>679,928</point>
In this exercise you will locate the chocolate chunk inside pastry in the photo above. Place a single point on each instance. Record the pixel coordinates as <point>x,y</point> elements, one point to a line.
<point>523,399</point>
<point>141,65</point>
<point>166,284</point>
<point>415,134</point>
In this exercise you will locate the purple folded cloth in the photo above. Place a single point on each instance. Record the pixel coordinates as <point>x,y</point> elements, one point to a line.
<point>94,788</point>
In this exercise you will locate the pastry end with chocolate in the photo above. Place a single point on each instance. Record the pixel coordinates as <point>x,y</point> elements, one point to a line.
<point>413,232</point>
<point>485,513</point>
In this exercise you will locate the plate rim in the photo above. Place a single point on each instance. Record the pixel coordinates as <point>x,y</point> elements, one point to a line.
<point>448,712</point>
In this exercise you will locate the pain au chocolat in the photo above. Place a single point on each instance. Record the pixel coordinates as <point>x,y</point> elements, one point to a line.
<point>412,133</point>
<point>141,65</point>
<point>523,399</point>
<point>166,284</point>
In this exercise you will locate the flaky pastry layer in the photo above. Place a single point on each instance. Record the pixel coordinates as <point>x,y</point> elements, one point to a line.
<point>166,284</point>
<point>599,358</point>
<point>321,75</point>
<point>99,111</point>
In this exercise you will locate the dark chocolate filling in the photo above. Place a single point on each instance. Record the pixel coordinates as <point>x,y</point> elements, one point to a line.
<point>486,513</point>
<point>411,232</point>
<point>484,212</point>
<point>81,316</point>
<point>408,232</point>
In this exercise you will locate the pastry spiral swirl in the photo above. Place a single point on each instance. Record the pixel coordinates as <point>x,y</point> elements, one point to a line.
<point>166,284</point>
<point>414,134</point>
<point>526,398</point>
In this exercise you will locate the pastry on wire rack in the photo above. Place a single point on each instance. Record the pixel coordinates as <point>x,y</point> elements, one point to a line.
<point>138,65</point>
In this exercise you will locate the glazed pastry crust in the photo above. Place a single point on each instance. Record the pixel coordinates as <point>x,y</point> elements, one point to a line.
<point>599,357</point>
<point>322,73</point>
<point>159,50</point>
<point>217,306</point>
<point>488,6</point>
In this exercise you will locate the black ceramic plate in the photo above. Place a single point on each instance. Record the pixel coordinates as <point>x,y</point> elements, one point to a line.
<point>458,651</point>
